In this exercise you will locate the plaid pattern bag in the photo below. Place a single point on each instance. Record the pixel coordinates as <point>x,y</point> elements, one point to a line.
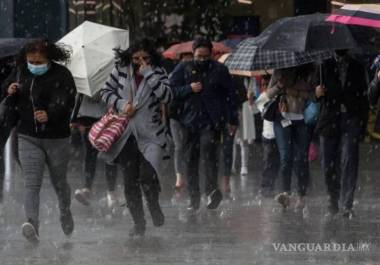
<point>107,130</point>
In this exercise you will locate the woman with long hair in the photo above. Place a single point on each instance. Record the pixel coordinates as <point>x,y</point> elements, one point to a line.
<point>44,94</point>
<point>137,87</point>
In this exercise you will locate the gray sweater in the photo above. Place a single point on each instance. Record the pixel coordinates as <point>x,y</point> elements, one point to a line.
<point>146,125</point>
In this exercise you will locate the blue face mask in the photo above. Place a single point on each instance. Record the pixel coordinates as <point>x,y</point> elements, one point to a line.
<point>38,69</point>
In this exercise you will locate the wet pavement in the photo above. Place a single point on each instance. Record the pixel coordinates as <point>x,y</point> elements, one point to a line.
<point>246,229</point>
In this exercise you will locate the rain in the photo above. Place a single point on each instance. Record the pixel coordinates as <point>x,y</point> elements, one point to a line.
<point>189,132</point>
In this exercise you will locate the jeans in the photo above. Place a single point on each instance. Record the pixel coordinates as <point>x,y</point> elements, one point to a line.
<point>293,144</point>
<point>202,145</point>
<point>271,162</point>
<point>179,134</point>
<point>340,161</point>
<point>91,157</point>
<point>34,153</point>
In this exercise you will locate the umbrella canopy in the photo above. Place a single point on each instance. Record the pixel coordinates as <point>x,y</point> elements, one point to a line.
<point>176,50</point>
<point>224,57</point>
<point>93,55</point>
<point>367,15</point>
<point>249,56</point>
<point>11,46</point>
<point>313,32</point>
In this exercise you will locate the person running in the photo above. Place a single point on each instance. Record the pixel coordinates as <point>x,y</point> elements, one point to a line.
<point>87,111</point>
<point>45,95</point>
<point>137,87</point>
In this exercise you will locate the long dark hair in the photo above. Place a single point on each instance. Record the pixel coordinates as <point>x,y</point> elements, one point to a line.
<point>124,57</point>
<point>53,51</point>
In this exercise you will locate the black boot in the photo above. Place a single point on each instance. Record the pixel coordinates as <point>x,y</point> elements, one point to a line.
<point>195,202</point>
<point>67,222</point>
<point>137,231</point>
<point>136,210</point>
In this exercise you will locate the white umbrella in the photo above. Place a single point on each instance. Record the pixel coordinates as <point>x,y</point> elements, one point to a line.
<point>93,55</point>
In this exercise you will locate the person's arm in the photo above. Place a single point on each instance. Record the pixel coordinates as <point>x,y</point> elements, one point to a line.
<point>12,78</point>
<point>275,84</point>
<point>374,89</point>
<point>180,89</point>
<point>109,92</point>
<point>159,82</point>
<point>231,104</point>
<point>58,111</point>
<point>78,102</point>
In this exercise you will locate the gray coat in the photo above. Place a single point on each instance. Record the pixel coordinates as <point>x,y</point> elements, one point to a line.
<point>146,125</point>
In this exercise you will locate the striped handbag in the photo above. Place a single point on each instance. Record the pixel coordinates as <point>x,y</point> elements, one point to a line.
<point>107,130</point>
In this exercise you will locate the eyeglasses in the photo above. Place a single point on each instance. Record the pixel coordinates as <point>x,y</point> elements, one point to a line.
<point>137,58</point>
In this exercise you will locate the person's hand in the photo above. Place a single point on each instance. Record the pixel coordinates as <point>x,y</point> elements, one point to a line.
<point>281,83</point>
<point>82,128</point>
<point>232,129</point>
<point>144,67</point>
<point>283,107</point>
<point>41,116</point>
<point>196,87</point>
<point>129,110</point>
<point>378,75</point>
<point>319,91</point>
<point>250,98</point>
<point>12,89</point>
<point>73,125</point>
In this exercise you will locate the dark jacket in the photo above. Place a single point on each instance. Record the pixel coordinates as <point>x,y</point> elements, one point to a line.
<point>53,92</point>
<point>353,96</point>
<point>215,105</point>
<point>374,85</point>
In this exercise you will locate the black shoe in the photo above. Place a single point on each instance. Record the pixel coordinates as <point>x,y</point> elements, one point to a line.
<point>158,217</point>
<point>30,232</point>
<point>137,231</point>
<point>214,199</point>
<point>349,214</point>
<point>195,203</point>
<point>333,206</point>
<point>67,223</point>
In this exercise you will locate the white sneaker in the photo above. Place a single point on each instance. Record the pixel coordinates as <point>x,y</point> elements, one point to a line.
<point>30,232</point>
<point>244,171</point>
<point>83,196</point>
<point>112,200</point>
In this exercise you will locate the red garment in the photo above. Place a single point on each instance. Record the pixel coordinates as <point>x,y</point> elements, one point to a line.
<point>138,79</point>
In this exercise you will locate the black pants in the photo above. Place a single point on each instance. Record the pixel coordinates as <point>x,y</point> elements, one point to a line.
<point>271,161</point>
<point>340,161</point>
<point>90,162</point>
<point>202,145</point>
<point>4,135</point>
<point>2,169</point>
<point>228,147</point>
<point>138,174</point>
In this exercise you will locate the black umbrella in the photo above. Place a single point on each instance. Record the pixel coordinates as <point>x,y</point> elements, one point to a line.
<point>11,46</point>
<point>313,32</point>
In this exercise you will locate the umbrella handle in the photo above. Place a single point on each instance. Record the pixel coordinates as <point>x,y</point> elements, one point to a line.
<point>320,74</point>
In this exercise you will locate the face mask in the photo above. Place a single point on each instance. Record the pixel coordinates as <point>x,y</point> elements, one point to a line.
<point>203,64</point>
<point>38,69</point>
